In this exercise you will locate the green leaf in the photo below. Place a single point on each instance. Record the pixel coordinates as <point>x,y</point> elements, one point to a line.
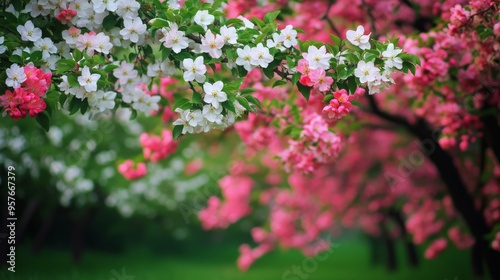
<point>62,99</point>
<point>253,100</point>
<point>84,107</point>
<point>195,29</point>
<point>246,91</point>
<point>236,21</point>
<point>229,106</point>
<point>133,115</point>
<point>165,53</point>
<point>110,68</point>
<point>268,72</point>
<point>243,102</point>
<point>65,65</point>
<point>336,40</point>
<point>279,83</point>
<point>296,77</point>
<point>179,103</point>
<point>197,98</point>
<point>177,131</point>
<point>36,56</point>
<point>77,55</point>
<point>304,90</point>
<point>327,98</point>
<point>351,83</point>
<point>271,16</point>
<point>299,30</point>
<point>410,66</point>
<point>182,55</point>
<point>356,103</point>
<point>258,22</point>
<point>109,22</point>
<point>158,23</point>
<point>16,59</point>
<point>73,81</point>
<point>43,120</point>
<point>74,105</point>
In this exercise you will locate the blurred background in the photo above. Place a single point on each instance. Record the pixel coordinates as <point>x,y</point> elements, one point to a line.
<point>78,218</point>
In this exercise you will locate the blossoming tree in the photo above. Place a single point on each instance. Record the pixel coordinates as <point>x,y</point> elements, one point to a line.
<point>244,72</point>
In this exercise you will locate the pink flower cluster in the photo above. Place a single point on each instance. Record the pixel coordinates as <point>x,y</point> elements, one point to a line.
<point>156,148</point>
<point>248,255</point>
<point>339,106</point>
<point>316,78</point>
<point>66,15</point>
<point>461,240</point>
<point>495,244</point>
<point>316,146</point>
<point>236,192</point>
<point>424,223</point>
<point>28,98</point>
<point>435,248</point>
<point>129,172</point>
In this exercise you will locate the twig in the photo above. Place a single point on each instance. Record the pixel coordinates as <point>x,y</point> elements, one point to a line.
<point>329,21</point>
<point>371,18</point>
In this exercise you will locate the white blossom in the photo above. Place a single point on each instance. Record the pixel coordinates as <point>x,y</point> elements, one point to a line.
<point>214,94</point>
<point>125,72</point>
<point>244,58</point>
<point>212,114</point>
<point>29,32</point>
<point>15,76</point>
<point>46,46</point>
<point>203,19</point>
<point>229,34</point>
<point>358,38</point>
<point>88,80</point>
<point>391,60</point>
<point>2,47</point>
<point>212,44</point>
<point>194,70</point>
<point>318,58</point>
<point>127,8</point>
<point>102,5</point>
<point>133,29</point>
<point>276,42</point>
<point>289,36</point>
<point>260,56</point>
<point>366,71</point>
<point>174,39</point>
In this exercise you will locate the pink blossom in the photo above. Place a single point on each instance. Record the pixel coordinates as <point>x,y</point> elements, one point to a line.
<point>435,248</point>
<point>156,148</point>
<point>340,105</point>
<point>66,15</point>
<point>129,172</point>
<point>320,80</point>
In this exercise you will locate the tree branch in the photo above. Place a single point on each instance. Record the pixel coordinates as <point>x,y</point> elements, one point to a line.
<point>329,21</point>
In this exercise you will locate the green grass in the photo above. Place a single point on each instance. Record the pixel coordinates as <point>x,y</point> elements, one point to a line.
<point>349,260</point>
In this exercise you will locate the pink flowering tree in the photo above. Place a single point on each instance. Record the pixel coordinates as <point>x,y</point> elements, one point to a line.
<point>347,120</point>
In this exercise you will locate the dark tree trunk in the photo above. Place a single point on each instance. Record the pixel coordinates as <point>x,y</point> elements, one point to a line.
<point>477,259</point>
<point>28,213</point>
<point>411,250</point>
<point>44,231</point>
<point>375,252</point>
<point>492,134</point>
<point>450,175</point>
<point>77,242</point>
<point>390,249</point>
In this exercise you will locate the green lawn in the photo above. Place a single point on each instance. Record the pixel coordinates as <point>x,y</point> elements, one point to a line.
<point>349,260</point>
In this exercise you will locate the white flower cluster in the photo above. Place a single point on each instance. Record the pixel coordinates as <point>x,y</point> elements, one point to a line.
<point>81,16</point>
<point>367,72</point>
<point>210,117</point>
